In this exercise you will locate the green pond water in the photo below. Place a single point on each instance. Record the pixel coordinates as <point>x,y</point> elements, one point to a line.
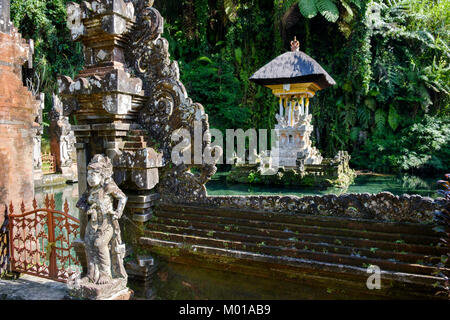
<point>174,281</point>
<point>183,282</point>
<point>404,184</point>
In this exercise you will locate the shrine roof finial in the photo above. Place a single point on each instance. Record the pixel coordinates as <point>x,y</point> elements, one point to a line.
<point>295,45</point>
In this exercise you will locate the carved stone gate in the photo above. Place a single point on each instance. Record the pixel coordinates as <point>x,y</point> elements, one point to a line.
<point>40,241</point>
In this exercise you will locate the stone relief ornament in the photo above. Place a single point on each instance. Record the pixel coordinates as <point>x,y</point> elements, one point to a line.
<point>105,251</point>
<point>169,108</point>
<point>62,138</point>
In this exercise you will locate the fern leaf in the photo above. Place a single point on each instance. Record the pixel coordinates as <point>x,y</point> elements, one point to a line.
<point>308,8</point>
<point>347,8</point>
<point>363,117</point>
<point>393,118</point>
<point>328,9</point>
<point>380,120</point>
<point>354,133</point>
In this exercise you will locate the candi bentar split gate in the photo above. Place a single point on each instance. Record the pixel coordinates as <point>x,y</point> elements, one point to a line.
<point>128,102</point>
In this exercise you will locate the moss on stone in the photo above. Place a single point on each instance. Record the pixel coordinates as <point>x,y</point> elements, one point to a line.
<point>290,177</point>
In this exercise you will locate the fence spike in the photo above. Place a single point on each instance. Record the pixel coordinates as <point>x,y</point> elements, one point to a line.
<point>47,202</point>
<point>52,202</point>
<point>34,203</point>
<point>66,207</point>
<point>11,208</point>
<point>22,207</point>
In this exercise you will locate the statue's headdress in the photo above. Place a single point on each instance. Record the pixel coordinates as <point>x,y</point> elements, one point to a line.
<point>102,164</point>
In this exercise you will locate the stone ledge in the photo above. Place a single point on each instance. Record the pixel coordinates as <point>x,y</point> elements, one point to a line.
<point>292,269</point>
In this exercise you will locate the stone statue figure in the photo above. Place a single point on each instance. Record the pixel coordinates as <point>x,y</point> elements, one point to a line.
<point>105,251</point>
<point>67,142</point>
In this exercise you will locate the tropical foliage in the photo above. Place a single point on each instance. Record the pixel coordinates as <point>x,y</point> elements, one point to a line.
<point>390,59</point>
<point>44,21</point>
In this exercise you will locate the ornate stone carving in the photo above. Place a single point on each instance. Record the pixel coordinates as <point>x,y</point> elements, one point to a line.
<point>106,276</point>
<point>293,141</point>
<point>62,139</point>
<point>169,108</point>
<point>5,23</point>
<point>127,101</point>
<point>37,139</point>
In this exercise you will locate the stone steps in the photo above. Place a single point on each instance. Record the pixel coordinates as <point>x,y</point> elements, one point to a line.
<point>257,264</point>
<point>405,249</point>
<point>261,245</point>
<point>300,228</point>
<point>338,236</point>
<point>288,239</point>
<point>324,221</point>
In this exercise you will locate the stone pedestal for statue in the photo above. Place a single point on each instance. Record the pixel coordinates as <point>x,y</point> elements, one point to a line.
<point>115,290</point>
<point>105,277</point>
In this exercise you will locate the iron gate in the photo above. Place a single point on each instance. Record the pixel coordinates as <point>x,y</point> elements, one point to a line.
<point>40,241</point>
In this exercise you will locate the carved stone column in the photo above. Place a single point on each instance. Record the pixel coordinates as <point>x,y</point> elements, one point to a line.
<point>128,102</point>
<point>105,99</point>
<point>62,141</point>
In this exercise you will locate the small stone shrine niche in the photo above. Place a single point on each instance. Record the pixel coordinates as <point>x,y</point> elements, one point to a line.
<point>294,78</point>
<point>62,141</point>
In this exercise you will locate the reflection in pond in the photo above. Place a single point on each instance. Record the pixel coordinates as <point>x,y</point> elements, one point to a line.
<point>183,282</point>
<point>61,193</point>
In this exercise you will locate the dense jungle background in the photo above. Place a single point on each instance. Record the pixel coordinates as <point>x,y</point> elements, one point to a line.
<point>390,59</point>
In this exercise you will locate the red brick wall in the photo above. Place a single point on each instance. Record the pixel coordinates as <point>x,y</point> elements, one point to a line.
<point>18,109</point>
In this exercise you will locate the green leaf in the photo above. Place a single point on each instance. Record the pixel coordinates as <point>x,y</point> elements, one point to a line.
<point>328,9</point>
<point>347,8</point>
<point>393,118</point>
<point>363,117</point>
<point>238,55</point>
<point>370,103</point>
<point>380,120</point>
<point>357,3</point>
<point>206,59</point>
<point>308,8</point>
<point>354,133</point>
